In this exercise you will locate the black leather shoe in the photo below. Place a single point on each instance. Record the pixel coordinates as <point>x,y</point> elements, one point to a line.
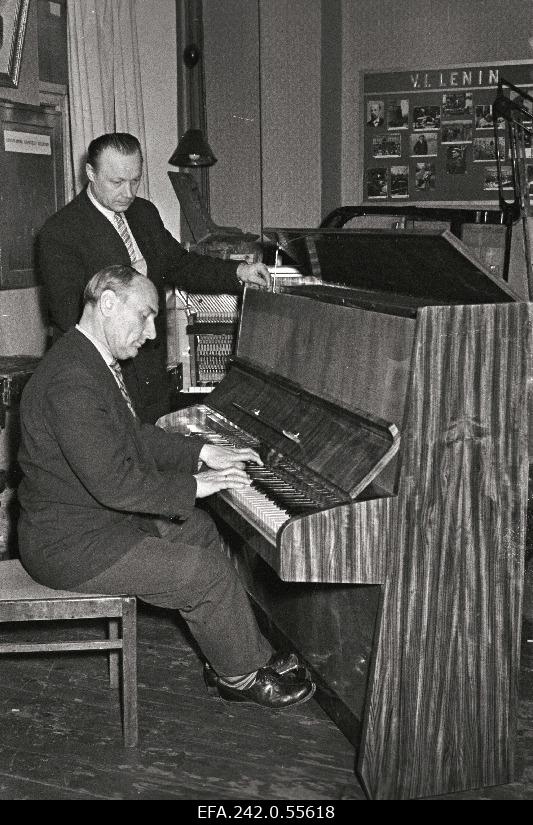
<point>282,663</point>
<point>269,690</point>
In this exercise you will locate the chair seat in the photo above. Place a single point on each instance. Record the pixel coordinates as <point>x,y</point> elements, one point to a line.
<point>16,584</point>
<point>24,600</point>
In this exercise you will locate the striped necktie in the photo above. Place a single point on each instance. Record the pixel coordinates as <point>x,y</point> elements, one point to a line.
<point>124,233</point>
<point>117,372</point>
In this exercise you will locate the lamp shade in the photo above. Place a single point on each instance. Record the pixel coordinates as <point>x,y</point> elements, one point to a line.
<point>193,150</point>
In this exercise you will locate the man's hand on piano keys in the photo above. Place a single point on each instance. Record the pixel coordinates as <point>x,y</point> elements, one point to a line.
<point>226,469</point>
<point>212,481</point>
<point>224,458</point>
<point>255,275</point>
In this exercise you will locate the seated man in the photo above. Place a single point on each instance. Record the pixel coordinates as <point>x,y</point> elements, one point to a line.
<point>108,503</point>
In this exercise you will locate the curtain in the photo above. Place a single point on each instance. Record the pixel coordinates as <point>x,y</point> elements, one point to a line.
<point>104,77</point>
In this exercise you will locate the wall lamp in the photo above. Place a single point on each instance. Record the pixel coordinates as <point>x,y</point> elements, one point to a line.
<point>193,149</point>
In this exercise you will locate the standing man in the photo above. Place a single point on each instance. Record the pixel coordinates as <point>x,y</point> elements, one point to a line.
<point>108,224</point>
<point>108,503</point>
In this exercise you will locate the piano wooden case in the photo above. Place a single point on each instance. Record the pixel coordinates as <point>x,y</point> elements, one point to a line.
<point>399,386</point>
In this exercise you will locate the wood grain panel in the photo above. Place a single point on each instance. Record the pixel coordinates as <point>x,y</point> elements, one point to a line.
<point>360,360</point>
<point>442,700</point>
<point>446,549</point>
<point>339,546</point>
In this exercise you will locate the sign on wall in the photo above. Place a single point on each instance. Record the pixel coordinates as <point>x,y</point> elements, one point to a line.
<point>27,142</point>
<point>429,134</point>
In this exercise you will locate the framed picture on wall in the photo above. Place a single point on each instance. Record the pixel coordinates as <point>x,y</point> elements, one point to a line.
<point>13,16</point>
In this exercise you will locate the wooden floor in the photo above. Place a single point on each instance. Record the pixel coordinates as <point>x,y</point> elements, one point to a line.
<point>60,734</point>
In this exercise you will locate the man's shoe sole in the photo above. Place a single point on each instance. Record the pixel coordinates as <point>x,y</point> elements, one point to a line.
<point>245,700</point>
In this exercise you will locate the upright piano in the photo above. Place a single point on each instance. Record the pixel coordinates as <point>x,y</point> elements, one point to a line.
<point>384,538</point>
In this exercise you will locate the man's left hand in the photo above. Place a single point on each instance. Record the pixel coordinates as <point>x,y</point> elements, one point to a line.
<point>255,274</point>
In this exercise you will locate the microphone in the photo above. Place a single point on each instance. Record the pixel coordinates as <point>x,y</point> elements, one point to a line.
<point>506,108</point>
<point>501,107</point>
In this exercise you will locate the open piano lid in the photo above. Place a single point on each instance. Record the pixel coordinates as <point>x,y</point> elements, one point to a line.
<point>423,265</point>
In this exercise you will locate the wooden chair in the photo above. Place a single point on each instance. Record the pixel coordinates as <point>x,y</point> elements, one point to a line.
<point>23,600</point>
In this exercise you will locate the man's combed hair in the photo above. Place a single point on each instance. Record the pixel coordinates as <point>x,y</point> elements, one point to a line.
<point>122,142</point>
<point>117,277</point>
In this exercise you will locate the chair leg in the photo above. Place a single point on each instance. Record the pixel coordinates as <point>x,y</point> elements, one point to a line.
<point>129,672</point>
<point>112,632</point>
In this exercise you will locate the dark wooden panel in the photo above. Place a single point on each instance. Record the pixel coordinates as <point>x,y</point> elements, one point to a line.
<point>333,628</point>
<point>31,190</point>
<point>285,418</point>
<point>318,346</point>
<point>52,33</point>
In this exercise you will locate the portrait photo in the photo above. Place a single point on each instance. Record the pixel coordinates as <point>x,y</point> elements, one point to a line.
<point>13,16</point>
<point>375,113</point>
<point>424,143</point>
<point>456,160</point>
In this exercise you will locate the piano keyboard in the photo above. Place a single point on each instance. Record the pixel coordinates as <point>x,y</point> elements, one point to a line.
<point>257,509</point>
<point>272,498</point>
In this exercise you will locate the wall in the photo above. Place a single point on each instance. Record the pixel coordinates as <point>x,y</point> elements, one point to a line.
<point>331,99</point>
<point>279,122</point>
<point>291,111</point>
<point>310,95</point>
<point>27,90</point>
<point>231,75</point>
<point>386,34</point>
<point>22,325</point>
<point>156,29</point>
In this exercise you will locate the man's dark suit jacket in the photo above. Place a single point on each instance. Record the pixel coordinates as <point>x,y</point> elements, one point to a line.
<point>94,476</point>
<point>78,241</point>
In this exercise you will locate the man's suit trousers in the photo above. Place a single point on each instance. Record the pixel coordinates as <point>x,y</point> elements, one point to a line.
<point>185,569</point>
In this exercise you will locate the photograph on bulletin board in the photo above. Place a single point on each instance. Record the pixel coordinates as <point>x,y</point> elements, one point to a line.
<point>430,134</point>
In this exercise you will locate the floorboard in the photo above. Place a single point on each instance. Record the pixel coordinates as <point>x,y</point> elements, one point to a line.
<point>61,733</point>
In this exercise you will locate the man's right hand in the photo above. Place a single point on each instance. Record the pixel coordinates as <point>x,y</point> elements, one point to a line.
<point>212,481</point>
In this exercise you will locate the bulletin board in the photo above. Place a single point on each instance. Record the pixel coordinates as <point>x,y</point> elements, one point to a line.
<point>429,133</point>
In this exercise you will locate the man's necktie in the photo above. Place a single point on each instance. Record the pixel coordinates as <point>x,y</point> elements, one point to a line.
<point>123,231</point>
<point>115,366</point>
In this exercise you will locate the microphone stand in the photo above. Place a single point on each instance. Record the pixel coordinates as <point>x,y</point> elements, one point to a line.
<point>513,112</point>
